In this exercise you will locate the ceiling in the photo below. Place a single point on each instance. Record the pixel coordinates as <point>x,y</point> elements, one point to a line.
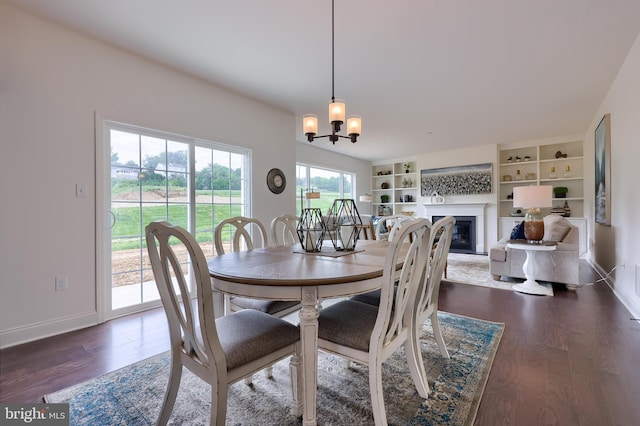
<point>425,75</point>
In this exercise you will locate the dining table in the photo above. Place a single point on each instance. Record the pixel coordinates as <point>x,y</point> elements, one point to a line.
<point>290,273</point>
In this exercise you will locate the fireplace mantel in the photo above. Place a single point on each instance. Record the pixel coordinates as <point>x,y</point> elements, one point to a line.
<point>466,209</point>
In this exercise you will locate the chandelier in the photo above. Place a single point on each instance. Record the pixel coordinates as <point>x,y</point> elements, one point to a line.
<point>337,110</point>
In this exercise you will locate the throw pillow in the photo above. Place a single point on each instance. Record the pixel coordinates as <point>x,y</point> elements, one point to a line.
<point>518,232</point>
<point>555,228</point>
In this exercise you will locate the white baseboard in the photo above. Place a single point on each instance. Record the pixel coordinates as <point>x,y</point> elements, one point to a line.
<point>37,331</point>
<point>633,309</point>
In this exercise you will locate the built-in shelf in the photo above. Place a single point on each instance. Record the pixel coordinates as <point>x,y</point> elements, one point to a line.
<point>538,169</point>
<point>392,180</point>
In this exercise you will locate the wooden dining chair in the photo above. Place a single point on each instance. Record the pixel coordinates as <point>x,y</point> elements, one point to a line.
<point>242,232</point>
<point>246,233</point>
<point>429,290</point>
<point>370,334</point>
<point>284,230</point>
<point>219,351</point>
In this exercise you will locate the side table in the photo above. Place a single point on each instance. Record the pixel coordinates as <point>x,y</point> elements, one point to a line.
<point>531,286</point>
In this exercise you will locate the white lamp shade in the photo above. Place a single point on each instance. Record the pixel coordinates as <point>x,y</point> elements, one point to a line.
<point>354,125</point>
<point>529,197</point>
<point>310,124</point>
<point>366,198</point>
<point>337,111</point>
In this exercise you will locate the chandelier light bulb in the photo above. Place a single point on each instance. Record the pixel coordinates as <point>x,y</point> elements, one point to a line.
<point>310,124</point>
<point>337,111</point>
<point>354,125</point>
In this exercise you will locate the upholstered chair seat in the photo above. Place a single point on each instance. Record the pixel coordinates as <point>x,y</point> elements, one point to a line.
<point>348,323</point>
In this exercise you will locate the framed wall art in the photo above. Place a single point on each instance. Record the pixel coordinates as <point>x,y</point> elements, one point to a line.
<point>603,171</point>
<point>460,180</point>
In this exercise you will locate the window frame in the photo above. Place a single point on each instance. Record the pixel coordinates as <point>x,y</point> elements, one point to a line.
<point>306,203</point>
<point>103,201</point>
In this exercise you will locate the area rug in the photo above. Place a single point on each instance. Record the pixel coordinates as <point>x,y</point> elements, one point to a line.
<point>133,395</point>
<point>474,269</point>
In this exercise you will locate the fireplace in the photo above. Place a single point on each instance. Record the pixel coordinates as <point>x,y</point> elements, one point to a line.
<point>463,239</point>
<point>471,236</point>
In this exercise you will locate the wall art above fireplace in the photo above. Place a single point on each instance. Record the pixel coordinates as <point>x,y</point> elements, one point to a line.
<point>460,180</point>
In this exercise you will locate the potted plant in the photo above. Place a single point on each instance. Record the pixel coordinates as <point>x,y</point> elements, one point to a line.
<point>560,192</point>
<point>384,198</point>
<point>407,167</point>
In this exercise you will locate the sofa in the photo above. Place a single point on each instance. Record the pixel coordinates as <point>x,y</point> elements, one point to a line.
<point>558,266</point>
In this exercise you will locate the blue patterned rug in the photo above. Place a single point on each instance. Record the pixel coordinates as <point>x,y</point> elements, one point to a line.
<point>132,395</point>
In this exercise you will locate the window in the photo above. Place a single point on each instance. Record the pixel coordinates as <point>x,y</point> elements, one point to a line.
<point>331,184</point>
<point>152,176</point>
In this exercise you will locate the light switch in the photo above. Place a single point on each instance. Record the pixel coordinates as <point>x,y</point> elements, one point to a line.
<point>62,283</point>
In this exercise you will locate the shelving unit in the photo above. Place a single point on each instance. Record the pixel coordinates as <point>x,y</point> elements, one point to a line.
<point>538,169</point>
<point>391,180</point>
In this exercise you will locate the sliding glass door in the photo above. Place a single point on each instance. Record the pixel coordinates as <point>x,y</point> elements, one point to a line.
<point>157,176</point>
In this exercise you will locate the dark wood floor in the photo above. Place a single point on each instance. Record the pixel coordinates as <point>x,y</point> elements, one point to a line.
<point>572,359</point>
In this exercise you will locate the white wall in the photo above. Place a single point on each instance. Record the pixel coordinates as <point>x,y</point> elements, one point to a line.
<point>309,154</point>
<point>52,81</point>
<point>619,244</point>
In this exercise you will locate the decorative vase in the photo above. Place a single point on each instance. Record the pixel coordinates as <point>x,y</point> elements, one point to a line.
<point>518,175</point>
<point>567,209</point>
<point>553,174</point>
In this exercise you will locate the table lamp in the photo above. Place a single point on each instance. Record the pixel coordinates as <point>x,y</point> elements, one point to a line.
<point>533,198</point>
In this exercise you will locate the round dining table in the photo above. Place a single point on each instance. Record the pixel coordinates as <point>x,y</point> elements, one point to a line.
<point>289,273</point>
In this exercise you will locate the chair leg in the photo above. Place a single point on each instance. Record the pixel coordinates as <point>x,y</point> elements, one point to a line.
<point>172,391</point>
<point>218,404</point>
<point>295,373</point>
<point>416,363</point>
<point>435,324</point>
<point>268,372</point>
<point>377,396</point>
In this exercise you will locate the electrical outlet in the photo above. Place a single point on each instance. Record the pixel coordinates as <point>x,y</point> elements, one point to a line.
<point>62,283</point>
<point>638,280</point>
<point>81,190</point>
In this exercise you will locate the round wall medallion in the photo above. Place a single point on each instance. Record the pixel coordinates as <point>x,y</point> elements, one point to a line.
<point>276,182</point>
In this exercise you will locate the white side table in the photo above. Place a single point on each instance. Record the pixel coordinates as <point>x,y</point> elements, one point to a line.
<point>531,286</point>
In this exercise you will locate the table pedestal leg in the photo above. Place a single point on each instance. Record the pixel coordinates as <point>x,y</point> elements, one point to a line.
<point>218,303</point>
<point>309,340</point>
<point>531,286</point>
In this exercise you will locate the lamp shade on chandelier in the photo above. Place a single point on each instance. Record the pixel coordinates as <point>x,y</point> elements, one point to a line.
<point>337,108</point>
